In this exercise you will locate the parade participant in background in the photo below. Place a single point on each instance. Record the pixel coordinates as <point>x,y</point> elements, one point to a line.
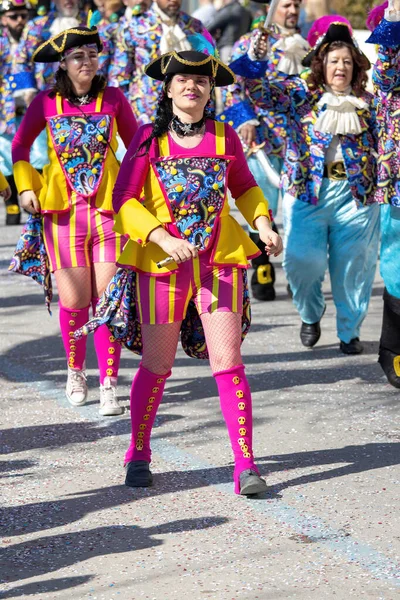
<point>107,21</point>
<point>162,28</point>
<point>64,15</point>
<point>266,127</point>
<point>185,165</point>
<point>386,77</point>
<point>329,179</point>
<point>14,15</point>
<point>231,21</point>
<point>81,117</point>
<point>205,12</point>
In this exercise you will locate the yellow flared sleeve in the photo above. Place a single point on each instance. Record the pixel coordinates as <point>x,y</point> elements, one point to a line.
<point>3,182</point>
<point>26,177</point>
<point>252,204</point>
<point>135,220</point>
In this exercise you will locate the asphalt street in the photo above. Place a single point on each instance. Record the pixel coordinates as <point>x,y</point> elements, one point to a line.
<point>327,439</point>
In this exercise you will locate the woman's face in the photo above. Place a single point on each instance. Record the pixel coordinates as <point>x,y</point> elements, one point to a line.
<point>189,93</point>
<point>338,69</point>
<point>81,65</point>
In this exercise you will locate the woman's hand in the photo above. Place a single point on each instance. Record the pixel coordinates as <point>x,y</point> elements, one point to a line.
<point>180,250</point>
<point>248,133</point>
<point>273,241</point>
<point>6,194</point>
<point>29,202</point>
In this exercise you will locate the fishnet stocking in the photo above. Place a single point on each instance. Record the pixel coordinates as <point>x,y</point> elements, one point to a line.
<point>74,286</point>
<point>159,346</point>
<point>78,285</point>
<point>223,338</point>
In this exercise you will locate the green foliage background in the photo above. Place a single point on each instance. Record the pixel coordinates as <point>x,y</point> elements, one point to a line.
<point>355,10</point>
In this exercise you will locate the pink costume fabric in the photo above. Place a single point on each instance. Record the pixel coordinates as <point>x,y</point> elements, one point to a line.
<point>70,320</point>
<point>213,288</point>
<point>133,172</point>
<point>108,350</point>
<point>146,395</point>
<point>81,237</point>
<point>236,406</point>
<point>78,217</point>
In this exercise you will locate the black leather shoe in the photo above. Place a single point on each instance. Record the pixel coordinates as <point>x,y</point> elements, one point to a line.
<point>387,361</point>
<point>353,347</point>
<point>310,334</point>
<point>251,483</point>
<point>138,474</point>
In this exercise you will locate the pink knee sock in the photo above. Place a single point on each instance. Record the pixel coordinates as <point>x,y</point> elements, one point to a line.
<point>235,399</point>
<point>70,320</point>
<point>146,395</point>
<point>108,351</point>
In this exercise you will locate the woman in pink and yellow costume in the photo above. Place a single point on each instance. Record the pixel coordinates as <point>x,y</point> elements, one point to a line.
<point>81,116</point>
<point>185,163</point>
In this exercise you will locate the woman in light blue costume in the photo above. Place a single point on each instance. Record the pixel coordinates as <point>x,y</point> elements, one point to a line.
<point>329,178</point>
<point>386,76</point>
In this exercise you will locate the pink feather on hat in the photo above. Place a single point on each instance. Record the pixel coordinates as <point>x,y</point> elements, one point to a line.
<point>375,16</point>
<point>321,26</point>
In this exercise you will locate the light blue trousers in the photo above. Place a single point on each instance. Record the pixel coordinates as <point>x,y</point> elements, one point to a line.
<point>333,234</point>
<point>390,248</point>
<point>270,192</point>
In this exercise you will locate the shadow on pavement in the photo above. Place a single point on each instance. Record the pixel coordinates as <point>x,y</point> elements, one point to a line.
<point>359,459</point>
<point>45,587</point>
<point>18,439</point>
<point>41,516</point>
<point>48,554</point>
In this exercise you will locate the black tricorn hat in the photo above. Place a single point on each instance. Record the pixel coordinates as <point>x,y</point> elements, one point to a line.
<point>53,49</point>
<point>190,62</point>
<point>337,32</point>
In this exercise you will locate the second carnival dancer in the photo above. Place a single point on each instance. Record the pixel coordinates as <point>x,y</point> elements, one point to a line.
<point>164,27</point>
<point>264,130</point>
<point>329,179</point>
<point>185,163</point>
<point>386,77</point>
<point>81,117</point>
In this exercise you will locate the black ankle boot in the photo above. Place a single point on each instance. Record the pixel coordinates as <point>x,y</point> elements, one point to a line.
<point>13,212</point>
<point>263,278</point>
<point>138,474</point>
<point>389,346</point>
<point>390,363</point>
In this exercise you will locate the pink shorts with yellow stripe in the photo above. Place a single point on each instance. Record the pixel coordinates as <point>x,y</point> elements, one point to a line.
<point>213,288</point>
<point>81,237</point>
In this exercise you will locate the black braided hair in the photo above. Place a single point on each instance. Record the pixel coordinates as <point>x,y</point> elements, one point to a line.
<point>164,116</point>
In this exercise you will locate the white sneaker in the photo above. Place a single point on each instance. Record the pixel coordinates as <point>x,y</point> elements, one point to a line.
<point>108,398</point>
<point>76,390</point>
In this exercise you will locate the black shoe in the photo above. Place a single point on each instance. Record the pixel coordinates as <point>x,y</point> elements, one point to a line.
<point>387,361</point>
<point>353,347</point>
<point>310,334</point>
<point>262,283</point>
<point>251,483</point>
<point>138,474</point>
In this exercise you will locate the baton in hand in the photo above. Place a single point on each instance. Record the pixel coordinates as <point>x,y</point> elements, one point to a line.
<point>169,259</point>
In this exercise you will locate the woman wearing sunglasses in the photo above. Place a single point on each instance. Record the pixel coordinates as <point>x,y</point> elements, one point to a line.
<point>82,117</point>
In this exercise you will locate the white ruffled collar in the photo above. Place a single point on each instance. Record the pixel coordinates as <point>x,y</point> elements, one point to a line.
<point>294,48</point>
<point>340,116</point>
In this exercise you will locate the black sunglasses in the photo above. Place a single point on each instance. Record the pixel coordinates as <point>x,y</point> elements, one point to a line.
<point>16,16</point>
